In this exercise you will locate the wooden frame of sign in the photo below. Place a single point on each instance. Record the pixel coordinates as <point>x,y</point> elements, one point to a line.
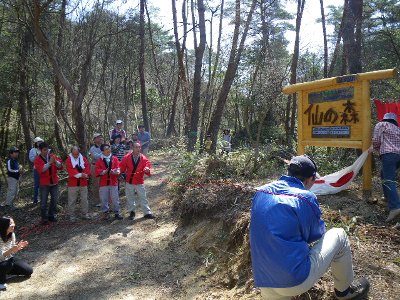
<point>336,112</point>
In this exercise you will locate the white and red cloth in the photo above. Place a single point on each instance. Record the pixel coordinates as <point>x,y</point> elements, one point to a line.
<point>339,181</point>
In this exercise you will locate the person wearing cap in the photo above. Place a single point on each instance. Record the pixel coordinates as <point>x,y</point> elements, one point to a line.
<point>13,174</point>
<point>32,155</point>
<point>107,168</point>
<point>144,138</point>
<point>285,220</point>
<point>118,129</point>
<point>78,169</point>
<point>95,154</point>
<point>386,141</point>
<point>135,165</point>
<point>48,164</point>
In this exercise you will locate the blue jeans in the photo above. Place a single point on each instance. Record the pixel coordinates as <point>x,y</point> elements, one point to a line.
<point>45,190</point>
<point>36,185</point>
<point>390,164</point>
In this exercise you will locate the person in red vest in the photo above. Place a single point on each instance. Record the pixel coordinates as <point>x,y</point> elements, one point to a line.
<point>135,165</point>
<point>78,168</point>
<point>107,168</point>
<point>47,165</point>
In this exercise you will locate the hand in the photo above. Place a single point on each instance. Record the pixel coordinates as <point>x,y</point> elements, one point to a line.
<point>115,171</point>
<point>371,149</point>
<point>146,169</point>
<point>52,160</point>
<point>22,244</point>
<point>103,172</point>
<point>84,175</point>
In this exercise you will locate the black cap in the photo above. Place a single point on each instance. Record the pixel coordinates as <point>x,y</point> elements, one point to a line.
<point>13,149</point>
<point>302,165</point>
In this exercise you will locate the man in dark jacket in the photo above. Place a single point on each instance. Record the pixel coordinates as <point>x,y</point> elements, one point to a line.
<point>12,176</point>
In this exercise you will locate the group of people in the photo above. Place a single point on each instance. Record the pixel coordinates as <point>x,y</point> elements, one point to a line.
<point>110,163</point>
<point>290,246</point>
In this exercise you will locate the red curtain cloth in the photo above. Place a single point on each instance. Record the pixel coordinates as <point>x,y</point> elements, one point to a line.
<point>383,108</point>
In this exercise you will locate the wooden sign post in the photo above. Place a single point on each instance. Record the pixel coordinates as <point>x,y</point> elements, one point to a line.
<point>336,112</point>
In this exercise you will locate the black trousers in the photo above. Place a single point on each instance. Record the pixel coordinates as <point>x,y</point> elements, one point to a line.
<point>14,266</point>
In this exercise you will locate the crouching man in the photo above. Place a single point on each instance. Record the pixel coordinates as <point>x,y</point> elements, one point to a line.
<point>285,219</point>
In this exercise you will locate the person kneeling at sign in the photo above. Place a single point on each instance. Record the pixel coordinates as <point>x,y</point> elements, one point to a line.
<point>285,219</point>
<point>135,165</point>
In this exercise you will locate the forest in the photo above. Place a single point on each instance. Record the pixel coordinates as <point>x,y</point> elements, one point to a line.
<point>71,68</point>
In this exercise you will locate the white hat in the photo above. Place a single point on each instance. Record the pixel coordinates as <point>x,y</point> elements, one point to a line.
<point>390,116</point>
<point>37,139</point>
<point>119,122</point>
<point>97,135</point>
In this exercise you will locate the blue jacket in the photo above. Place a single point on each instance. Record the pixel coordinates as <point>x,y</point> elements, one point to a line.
<point>285,218</point>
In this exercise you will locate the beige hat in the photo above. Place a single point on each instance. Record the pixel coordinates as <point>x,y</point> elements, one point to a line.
<point>119,122</point>
<point>97,135</point>
<point>37,139</point>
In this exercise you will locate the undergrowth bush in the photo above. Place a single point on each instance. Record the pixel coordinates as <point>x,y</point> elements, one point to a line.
<point>242,164</point>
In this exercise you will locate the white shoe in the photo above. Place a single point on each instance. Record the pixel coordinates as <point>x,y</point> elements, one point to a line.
<point>393,214</point>
<point>3,286</point>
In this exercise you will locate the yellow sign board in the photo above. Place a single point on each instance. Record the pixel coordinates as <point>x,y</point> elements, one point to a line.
<point>336,112</point>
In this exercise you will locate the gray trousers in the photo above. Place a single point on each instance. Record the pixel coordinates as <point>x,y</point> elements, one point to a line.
<point>73,193</point>
<point>332,250</point>
<point>45,190</point>
<point>94,185</point>
<point>106,193</point>
<point>136,192</point>
<point>12,190</point>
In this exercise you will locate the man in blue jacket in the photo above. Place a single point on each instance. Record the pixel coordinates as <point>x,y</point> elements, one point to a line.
<point>285,219</point>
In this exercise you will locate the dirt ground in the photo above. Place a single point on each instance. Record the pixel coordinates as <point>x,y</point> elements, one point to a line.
<point>99,259</point>
<point>156,259</point>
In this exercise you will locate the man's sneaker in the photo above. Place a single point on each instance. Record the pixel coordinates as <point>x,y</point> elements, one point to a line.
<point>53,219</point>
<point>149,216</point>
<point>132,215</point>
<point>98,205</point>
<point>3,286</point>
<point>106,216</point>
<point>358,290</point>
<point>393,214</point>
<point>118,217</point>
<point>86,217</point>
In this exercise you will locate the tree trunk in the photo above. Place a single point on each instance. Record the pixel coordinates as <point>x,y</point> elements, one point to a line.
<point>325,39</point>
<point>25,39</point>
<point>141,68</point>
<point>352,35</point>
<point>293,72</point>
<point>57,85</point>
<point>181,65</point>
<point>199,52</point>
<point>234,59</point>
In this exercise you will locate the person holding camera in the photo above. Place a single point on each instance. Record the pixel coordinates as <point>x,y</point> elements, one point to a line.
<point>47,165</point>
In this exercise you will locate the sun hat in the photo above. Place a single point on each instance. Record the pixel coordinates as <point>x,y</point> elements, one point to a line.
<point>390,116</point>
<point>38,139</point>
<point>97,135</point>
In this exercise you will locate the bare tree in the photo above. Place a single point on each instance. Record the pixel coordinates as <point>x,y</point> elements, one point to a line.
<point>234,59</point>
<point>199,52</point>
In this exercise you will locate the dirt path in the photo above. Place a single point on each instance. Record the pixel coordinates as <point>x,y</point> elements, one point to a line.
<point>102,260</point>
